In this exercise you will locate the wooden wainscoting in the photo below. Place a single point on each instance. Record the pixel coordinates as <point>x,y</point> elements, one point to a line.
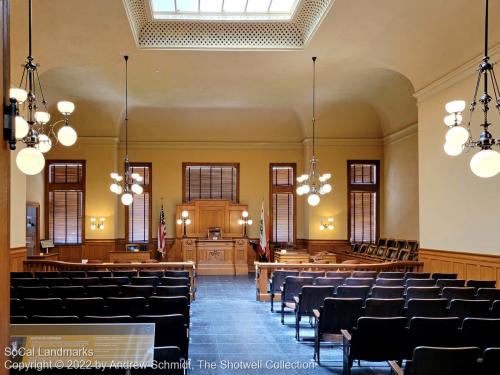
<point>466,265</point>
<point>17,258</point>
<point>334,246</point>
<point>98,249</point>
<point>69,253</point>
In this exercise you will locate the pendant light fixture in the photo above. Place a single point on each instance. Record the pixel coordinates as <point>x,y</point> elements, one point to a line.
<point>31,117</point>
<point>313,183</point>
<point>130,182</point>
<point>486,162</point>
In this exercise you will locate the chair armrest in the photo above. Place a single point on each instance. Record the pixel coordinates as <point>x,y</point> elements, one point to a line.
<point>395,368</point>
<point>346,334</point>
<point>296,299</point>
<point>316,313</point>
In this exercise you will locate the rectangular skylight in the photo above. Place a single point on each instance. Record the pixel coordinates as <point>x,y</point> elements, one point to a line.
<point>224,10</point>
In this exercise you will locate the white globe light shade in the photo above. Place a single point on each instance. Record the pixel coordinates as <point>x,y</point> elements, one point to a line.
<point>185,214</point>
<point>305,177</point>
<point>67,135</point>
<point>249,221</point>
<point>244,214</point>
<point>44,143</point>
<point>134,175</point>
<point>451,119</point>
<point>22,127</point>
<point>19,94</point>
<point>299,190</point>
<point>452,149</point>
<point>327,188</point>
<point>327,176</point>
<point>330,227</point>
<point>240,222</point>
<point>137,189</point>
<point>42,117</point>
<point>65,107</point>
<point>321,191</point>
<point>457,135</point>
<point>188,221</point>
<point>119,178</point>
<point>139,179</point>
<point>179,221</point>
<point>455,106</point>
<point>313,199</point>
<point>114,175</point>
<point>113,188</point>
<point>486,163</point>
<point>119,190</point>
<point>305,189</point>
<point>30,161</point>
<point>127,199</point>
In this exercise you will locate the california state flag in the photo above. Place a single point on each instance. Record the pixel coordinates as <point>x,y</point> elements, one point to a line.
<point>263,231</point>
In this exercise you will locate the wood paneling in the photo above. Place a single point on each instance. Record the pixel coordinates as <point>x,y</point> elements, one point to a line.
<point>4,191</point>
<point>70,253</point>
<point>17,258</point>
<point>466,265</point>
<point>98,249</point>
<point>334,246</point>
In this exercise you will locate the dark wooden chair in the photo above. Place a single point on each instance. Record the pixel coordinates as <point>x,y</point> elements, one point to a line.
<point>276,283</point>
<point>132,306</point>
<point>427,308</point>
<point>480,332</point>
<point>440,332</point>
<point>387,292</point>
<point>85,306</point>
<point>291,288</point>
<point>389,282</point>
<point>384,308</point>
<point>462,308</point>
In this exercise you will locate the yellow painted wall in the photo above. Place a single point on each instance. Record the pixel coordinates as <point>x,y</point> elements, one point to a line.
<point>399,217</point>
<point>35,190</point>
<point>458,211</point>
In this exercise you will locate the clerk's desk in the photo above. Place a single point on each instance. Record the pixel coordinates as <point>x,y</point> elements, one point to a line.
<point>216,257</point>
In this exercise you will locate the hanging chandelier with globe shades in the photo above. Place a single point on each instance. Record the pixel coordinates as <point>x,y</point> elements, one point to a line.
<point>313,184</point>
<point>130,182</point>
<point>31,124</point>
<point>486,162</point>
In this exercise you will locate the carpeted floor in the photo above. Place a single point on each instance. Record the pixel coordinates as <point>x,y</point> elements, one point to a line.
<point>230,330</point>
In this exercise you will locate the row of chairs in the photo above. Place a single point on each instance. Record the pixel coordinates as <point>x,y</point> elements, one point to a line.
<point>388,249</point>
<point>112,280</point>
<point>170,329</point>
<point>81,307</point>
<point>385,339</point>
<point>81,274</point>
<point>428,360</point>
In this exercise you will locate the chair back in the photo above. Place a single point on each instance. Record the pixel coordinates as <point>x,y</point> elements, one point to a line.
<point>420,283</point>
<point>145,291</point>
<point>108,319</point>
<point>391,275</point>
<point>172,291</point>
<point>389,282</point>
<point>480,332</point>
<point>84,306</point>
<point>481,283</point>
<point>33,291</point>
<point>173,281</point>
<point>345,291</point>
<point>125,273</point>
<point>293,286</point>
<point>84,281</point>
<point>364,274</point>
<point>103,291</point>
<point>170,330</point>
<point>27,281</point>
<point>312,298</point>
<point>68,291</point>
<point>387,292</point>
<point>384,308</point>
<point>343,274</point>
<point>339,313</point>
<point>43,306</point>
<point>379,339</point>
<point>495,310</point>
<point>47,274</point>
<point>329,281</point>
<point>72,274</point>
<point>313,274</point>
<point>146,280</point>
<point>176,273</point>
<point>132,306</point>
<point>99,274</point>
<point>149,273</point>
<point>169,305</point>
<point>115,280</point>
<point>55,319</point>
<point>458,293</point>
<point>428,360</point>
<point>441,275</point>
<point>16,307</point>
<point>422,292</point>
<point>417,275</point>
<point>278,278</point>
<point>21,275</point>
<point>490,361</point>
<point>440,332</point>
<point>490,294</point>
<point>428,308</point>
<point>463,308</point>
<point>443,283</point>
<point>359,281</point>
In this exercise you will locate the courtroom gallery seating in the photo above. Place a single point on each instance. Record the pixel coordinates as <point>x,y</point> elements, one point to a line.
<point>291,288</point>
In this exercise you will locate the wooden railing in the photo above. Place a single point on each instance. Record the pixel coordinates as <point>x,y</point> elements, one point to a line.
<point>56,265</point>
<point>263,271</point>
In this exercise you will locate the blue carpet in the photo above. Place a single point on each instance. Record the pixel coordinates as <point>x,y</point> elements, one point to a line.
<point>232,333</point>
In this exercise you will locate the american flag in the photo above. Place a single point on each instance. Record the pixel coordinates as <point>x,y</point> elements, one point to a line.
<point>162,231</point>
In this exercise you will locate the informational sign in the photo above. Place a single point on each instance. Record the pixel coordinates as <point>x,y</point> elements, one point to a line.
<point>40,346</point>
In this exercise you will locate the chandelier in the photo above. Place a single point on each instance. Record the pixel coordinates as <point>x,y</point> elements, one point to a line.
<point>313,183</point>
<point>31,116</point>
<point>486,162</point>
<point>130,182</point>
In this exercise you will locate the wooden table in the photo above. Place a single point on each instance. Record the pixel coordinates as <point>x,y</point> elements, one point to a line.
<point>129,256</point>
<point>291,257</point>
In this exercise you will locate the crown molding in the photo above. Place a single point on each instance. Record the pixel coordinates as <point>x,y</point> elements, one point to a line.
<point>98,140</point>
<point>401,135</point>
<point>213,145</point>
<point>459,74</point>
<point>343,142</point>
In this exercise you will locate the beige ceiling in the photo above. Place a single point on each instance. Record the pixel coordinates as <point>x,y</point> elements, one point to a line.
<point>372,56</point>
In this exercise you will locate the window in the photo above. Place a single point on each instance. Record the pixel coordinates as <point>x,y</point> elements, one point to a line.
<point>364,192</point>
<point>138,214</point>
<point>211,181</point>
<point>65,198</point>
<point>228,10</point>
<point>283,213</point>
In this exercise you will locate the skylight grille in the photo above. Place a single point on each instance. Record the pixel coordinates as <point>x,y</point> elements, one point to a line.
<point>224,10</point>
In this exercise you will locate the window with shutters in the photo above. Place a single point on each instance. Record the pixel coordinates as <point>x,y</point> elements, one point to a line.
<point>283,207</point>
<point>138,213</point>
<point>65,201</point>
<point>364,197</point>
<point>211,181</point>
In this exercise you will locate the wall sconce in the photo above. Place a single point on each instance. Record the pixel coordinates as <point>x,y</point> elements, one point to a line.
<point>328,225</point>
<point>245,221</point>
<point>94,224</point>
<point>184,220</point>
